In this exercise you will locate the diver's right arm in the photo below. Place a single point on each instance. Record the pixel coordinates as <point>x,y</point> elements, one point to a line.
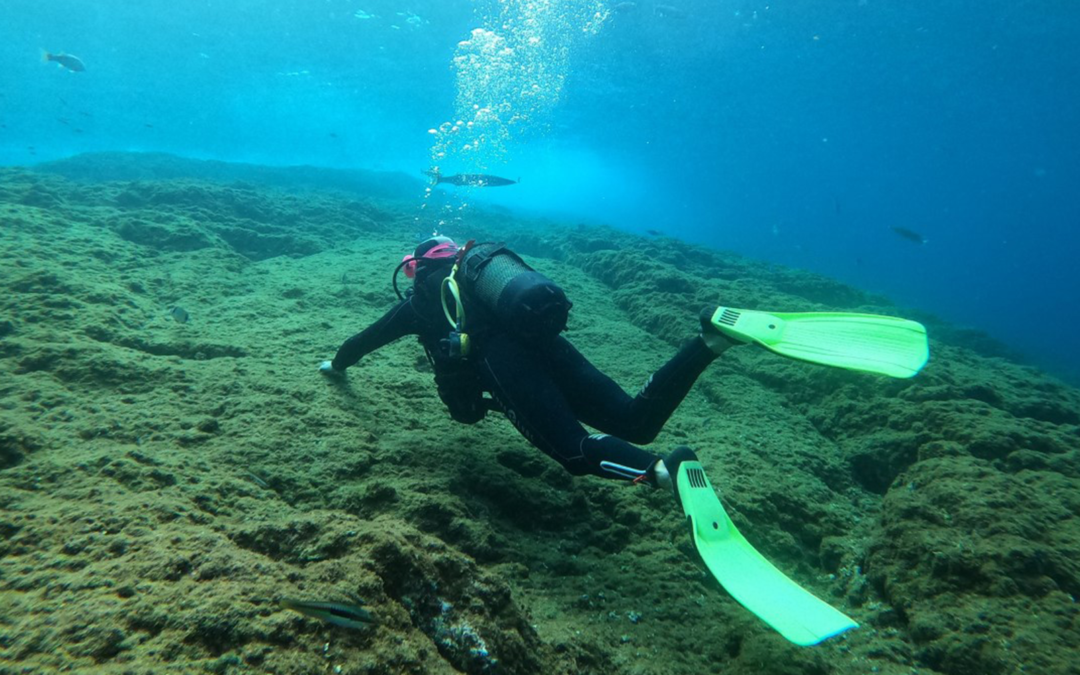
<point>400,321</point>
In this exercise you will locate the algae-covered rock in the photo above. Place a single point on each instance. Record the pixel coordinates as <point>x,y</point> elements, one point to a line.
<point>164,483</point>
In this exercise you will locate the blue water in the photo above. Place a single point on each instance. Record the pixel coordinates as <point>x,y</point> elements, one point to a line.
<point>794,132</point>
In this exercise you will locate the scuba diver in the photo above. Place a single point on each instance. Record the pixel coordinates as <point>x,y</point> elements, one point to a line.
<point>491,327</point>
<point>511,348</point>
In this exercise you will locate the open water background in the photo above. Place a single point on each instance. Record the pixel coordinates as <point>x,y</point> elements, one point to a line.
<point>799,133</point>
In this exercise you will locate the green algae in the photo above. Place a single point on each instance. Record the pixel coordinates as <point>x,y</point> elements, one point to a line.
<point>939,512</point>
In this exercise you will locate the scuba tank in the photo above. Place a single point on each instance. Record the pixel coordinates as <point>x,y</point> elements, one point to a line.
<point>510,294</point>
<point>498,291</point>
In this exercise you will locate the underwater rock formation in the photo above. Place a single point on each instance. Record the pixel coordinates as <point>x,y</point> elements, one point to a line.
<point>163,484</point>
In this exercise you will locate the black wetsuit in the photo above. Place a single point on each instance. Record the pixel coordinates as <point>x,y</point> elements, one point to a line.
<point>546,392</point>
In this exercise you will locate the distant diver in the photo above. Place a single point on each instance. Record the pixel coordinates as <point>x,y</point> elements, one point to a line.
<point>910,235</point>
<point>72,63</point>
<point>469,179</point>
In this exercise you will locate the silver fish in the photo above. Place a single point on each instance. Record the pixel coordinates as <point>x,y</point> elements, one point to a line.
<point>470,179</point>
<point>348,615</point>
<point>69,61</point>
<point>910,235</point>
<point>179,314</point>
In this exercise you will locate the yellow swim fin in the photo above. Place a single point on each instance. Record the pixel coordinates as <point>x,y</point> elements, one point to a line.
<point>752,580</point>
<point>871,343</point>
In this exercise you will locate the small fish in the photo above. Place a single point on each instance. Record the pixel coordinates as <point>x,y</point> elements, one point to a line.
<point>179,314</point>
<point>72,63</point>
<point>668,12</point>
<point>348,615</point>
<point>910,235</point>
<point>654,233</point>
<point>470,179</point>
<point>255,478</point>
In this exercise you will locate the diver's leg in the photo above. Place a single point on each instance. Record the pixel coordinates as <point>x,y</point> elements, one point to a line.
<point>601,403</point>
<point>520,380</point>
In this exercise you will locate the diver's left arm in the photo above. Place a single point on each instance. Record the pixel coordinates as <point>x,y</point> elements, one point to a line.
<point>400,321</point>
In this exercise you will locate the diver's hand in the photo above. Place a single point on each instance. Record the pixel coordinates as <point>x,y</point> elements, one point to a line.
<point>327,369</point>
